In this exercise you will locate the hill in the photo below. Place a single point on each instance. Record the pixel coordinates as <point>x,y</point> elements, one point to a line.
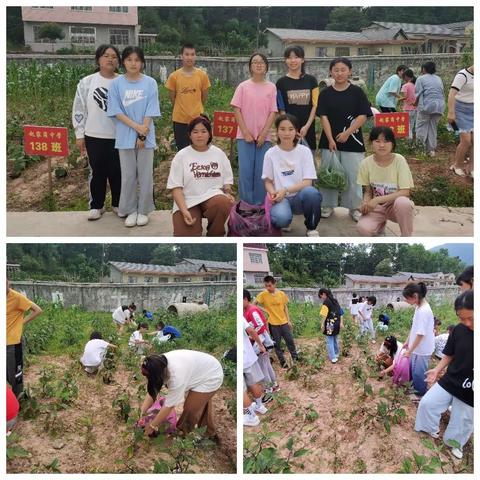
<point>464,251</point>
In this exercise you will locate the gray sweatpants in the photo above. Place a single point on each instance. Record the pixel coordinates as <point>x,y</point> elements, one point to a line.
<point>430,409</point>
<point>266,366</point>
<point>426,129</point>
<point>137,174</point>
<point>351,198</point>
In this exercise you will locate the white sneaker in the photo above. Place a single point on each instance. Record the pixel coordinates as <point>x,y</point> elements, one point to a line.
<point>335,360</point>
<point>142,220</point>
<point>95,213</point>
<point>250,420</point>
<point>115,210</point>
<point>259,409</point>
<point>326,212</point>
<point>434,434</point>
<point>287,229</point>
<point>355,214</point>
<point>312,233</point>
<point>431,153</point>
<point>131,220</point>
<point>456,452</point>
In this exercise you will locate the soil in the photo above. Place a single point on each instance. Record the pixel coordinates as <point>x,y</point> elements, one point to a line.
<point>105,449</point>
<point>339,440</point>
<point>28,192</point>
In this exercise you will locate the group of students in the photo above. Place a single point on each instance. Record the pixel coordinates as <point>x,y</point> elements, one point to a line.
<point>113,121</point>
<point>447,386</point>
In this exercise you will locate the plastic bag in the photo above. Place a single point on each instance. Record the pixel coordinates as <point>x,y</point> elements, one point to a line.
<point>251,220</point>
<point>170,421</point>
<point>332,175</point>
<point>401,370</point>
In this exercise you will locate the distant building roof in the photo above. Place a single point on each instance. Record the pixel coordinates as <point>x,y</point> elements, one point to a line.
<point>321,36</point>
<point>460,26</point>
<point>257,246</point>
<point>211,264</point>
<point>416,28</point>
<point>374,278</point>
<point>432,276</point>
<point>179,269</point>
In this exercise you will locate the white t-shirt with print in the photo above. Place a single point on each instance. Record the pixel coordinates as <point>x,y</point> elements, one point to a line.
<point>440,342</point>
<point>191,370</point>
<point>286,169</point>
<point>135,336</point>
<point>201,174</point>
<point>94,352</point>
<point>423,325</point>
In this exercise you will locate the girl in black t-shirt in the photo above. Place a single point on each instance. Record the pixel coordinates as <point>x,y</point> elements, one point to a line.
<point>343,108</point>
<point>297,93</point>
<point>455,387</point>
<point>331,314</point>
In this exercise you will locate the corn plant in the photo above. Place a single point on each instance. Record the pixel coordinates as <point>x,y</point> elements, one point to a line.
<point>14,450</point>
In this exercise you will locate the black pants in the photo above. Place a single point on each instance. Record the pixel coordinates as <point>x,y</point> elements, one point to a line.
<point>283,331</point>
<point>180,131</point>
<point>387,109</point>
<point>104,165</point>
<point>15,368</point>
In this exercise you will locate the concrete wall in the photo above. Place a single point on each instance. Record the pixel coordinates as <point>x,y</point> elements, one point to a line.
<point>373,69</point>
<point>343,295</point>
<point>108,296</point>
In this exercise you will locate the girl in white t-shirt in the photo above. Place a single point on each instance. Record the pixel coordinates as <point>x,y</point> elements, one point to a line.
<point>94,352</point>
<point>136,342</point>
<point>201,182</point>
<point>95,131</point>
<point>121,316</point>
<point>288,173</point>
<point>388,354</point>
<point>192,378</point>
<point>421,340</point>
<point>354,305</point>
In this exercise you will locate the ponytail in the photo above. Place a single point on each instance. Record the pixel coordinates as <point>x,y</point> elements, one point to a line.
<point>329,294</point>
<point>415,288</point>
<point>154,367</point>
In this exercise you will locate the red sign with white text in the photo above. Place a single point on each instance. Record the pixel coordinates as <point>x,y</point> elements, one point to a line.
<point>397,121</point>
<point>224,124</point>
<point>45,141</point>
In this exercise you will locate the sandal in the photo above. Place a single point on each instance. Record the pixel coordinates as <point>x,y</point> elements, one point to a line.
<point>457,171</point>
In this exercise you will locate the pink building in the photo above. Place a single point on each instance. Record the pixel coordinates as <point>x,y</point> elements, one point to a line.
<point>255,263</point>
<point>84,27</point>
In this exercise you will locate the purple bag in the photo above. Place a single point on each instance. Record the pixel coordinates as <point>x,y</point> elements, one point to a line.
<point>401,371</point>
<point>171,420</point>
<point>251,220</point>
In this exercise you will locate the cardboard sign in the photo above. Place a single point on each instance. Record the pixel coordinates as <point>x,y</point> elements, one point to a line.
<point>45,141</point>
<point>224,125</point>
<point>397,121</point>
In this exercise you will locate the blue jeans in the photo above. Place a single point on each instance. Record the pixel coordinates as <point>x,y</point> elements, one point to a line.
<point>250,167</point>
<point>418,367</point>
<point>307,201</point>
<point>332,346</point>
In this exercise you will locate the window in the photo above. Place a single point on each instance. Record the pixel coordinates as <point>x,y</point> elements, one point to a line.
<point>207,279</point>
<point>342,51</point>
<point>162,279</point>
<point>363,51</point>
<point>385,286</point>
<point>81,9</point>
<point>148,279</point>
<point>255,257</point>
<point>132,279</point>
<point>118,9</point>
<point>41,7</point>
<point>118,36</point>
<point>321,51</point>
<point>82,35</point>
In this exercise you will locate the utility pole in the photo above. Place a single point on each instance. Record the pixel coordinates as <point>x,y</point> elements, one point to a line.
<point>259,21</point>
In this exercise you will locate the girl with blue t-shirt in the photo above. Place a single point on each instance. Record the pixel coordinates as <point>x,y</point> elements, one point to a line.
<point>133,101</point>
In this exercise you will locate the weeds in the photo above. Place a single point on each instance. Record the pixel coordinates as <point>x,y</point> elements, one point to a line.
<point>14,450</point>
<point>121,405</point>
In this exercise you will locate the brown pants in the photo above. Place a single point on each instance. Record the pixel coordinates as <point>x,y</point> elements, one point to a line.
<point>197,410</point>
<point>215,210</point>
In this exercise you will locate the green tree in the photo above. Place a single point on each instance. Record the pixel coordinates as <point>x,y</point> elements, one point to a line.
<point>51,31</point>
<point>347,19</point>
<point>384,268</point>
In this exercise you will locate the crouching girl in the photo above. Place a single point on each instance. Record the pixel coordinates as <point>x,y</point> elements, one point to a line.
<point>195,374</point>
<point>288,172</point>
<point>201,182</point>
<point>386,181</point>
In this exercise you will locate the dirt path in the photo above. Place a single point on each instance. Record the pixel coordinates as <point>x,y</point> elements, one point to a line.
<point>340,440</point>
<point>104,448</point>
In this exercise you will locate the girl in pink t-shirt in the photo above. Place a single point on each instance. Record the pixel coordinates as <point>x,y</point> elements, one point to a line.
<point>408,97</point>
<point>255,105</point>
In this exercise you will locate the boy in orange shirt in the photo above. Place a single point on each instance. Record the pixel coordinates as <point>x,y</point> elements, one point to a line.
<point>188,89</point>
<point>17,306</point>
